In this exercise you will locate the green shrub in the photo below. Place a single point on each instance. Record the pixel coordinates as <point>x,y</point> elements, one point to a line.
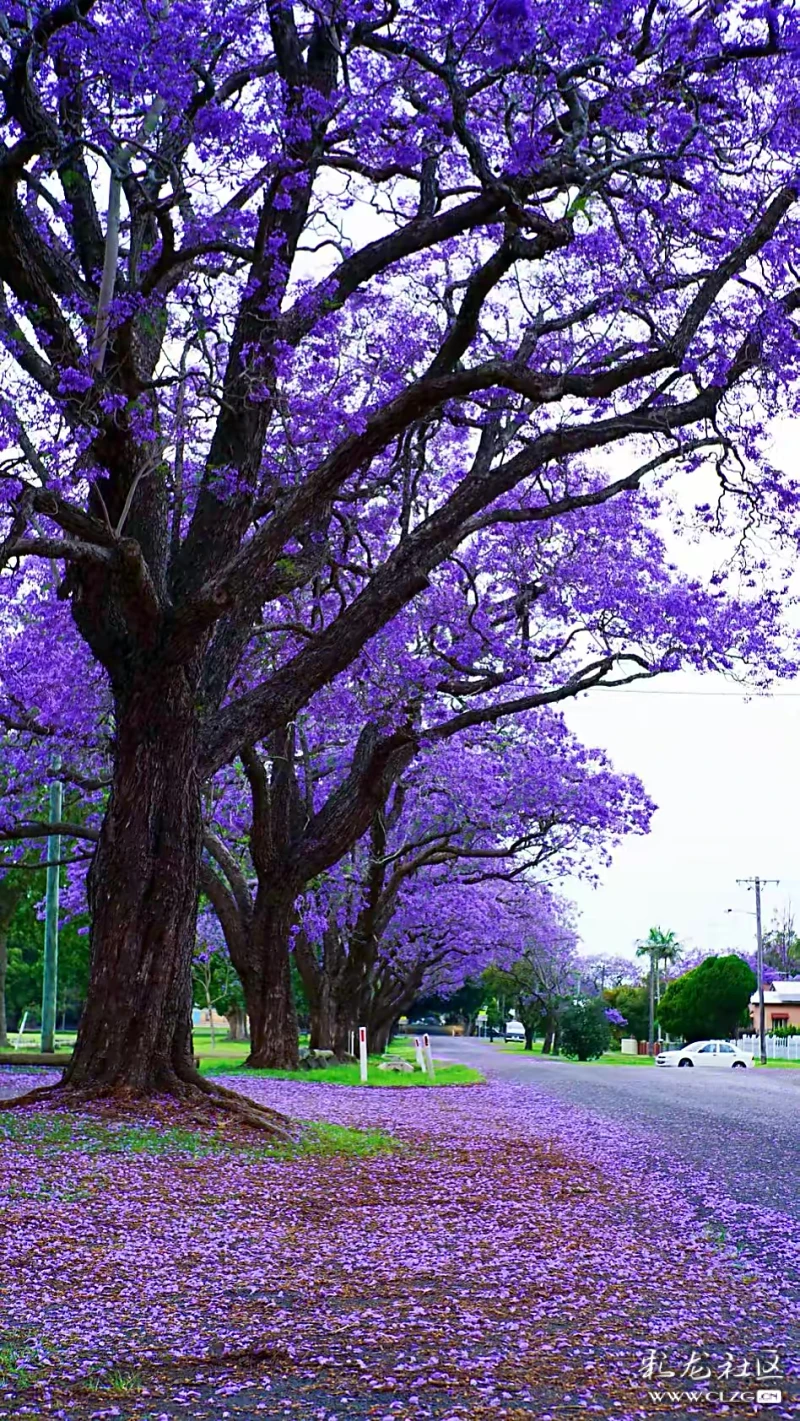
<point>585,1031</point>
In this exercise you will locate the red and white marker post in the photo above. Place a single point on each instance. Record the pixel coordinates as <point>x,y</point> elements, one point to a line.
<point>362,1052</point>
<point>426,1051</point>
<point>419,1055</point>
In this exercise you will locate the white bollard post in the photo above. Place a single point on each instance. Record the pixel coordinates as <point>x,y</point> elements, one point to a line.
<point>418,1053</point>
<point>426,1048</point>
<point>351,1043</point>
<point>362,1052</point>
<point>18,1041</point>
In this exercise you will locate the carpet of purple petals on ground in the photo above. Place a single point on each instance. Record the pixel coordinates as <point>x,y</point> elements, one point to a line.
<point>513,1258</point>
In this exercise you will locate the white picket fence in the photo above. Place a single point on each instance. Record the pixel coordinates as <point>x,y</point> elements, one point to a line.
<point>779,1048</point>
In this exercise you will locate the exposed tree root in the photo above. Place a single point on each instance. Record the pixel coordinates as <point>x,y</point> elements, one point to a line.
<point>231,1102</point>
<point>43,1093</point>
<point>199,1099</point>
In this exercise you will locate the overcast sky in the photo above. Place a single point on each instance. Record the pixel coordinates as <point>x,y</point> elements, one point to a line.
<point>725,773</point>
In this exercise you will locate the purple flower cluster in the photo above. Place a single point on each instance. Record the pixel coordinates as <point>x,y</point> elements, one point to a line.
<point>615,1017</point>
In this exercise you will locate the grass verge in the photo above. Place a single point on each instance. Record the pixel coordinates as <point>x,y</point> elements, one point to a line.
<point>609,1058</point>
<point>446,1075</point>
<point>615,1058</point>
<point>45,1133</point>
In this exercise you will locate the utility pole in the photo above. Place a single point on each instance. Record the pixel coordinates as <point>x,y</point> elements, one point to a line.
<point>50,974</point>
<point>758,884</point>
<point>651,1033</point>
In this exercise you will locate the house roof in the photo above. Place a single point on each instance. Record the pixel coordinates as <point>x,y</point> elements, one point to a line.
<point>780,994</point>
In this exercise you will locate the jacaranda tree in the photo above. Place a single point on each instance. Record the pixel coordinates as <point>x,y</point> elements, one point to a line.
<point>312,296</point>
<point>549,618</point>
<point>518,806</point>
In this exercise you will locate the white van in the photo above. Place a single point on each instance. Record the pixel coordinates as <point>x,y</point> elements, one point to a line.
<point>514,1031</point>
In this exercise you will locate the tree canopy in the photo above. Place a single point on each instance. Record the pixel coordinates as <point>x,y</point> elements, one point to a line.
<point>709,1001</point>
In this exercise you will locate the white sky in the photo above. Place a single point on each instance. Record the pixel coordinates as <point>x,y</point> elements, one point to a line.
<point>725,773</point>
<point>726,776</point>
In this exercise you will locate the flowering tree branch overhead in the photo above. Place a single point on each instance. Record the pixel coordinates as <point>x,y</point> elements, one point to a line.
<point>299,302</point>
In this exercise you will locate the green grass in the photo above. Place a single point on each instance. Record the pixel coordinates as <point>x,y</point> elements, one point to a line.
<point>20,1358</point>
<point>44,1134</point>
<point>615,1058</point>
<point>11,1357</point>
<point>229,1056</point>
<point>118,1382</point>
<point>446,1075</point>
<point>202,1043</point>
<point>609,1058</point>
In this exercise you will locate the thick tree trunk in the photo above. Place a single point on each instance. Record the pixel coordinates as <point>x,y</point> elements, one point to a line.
<point>267,982</point>
<point>323,1020</point>
<point>135,1032</point>
<point>3,970</point>
<point>334,983</point>
<point>237,1025</point>
<point>332,1021</point>
<point>528,1038</point>
<point>551,1034</point>
<point>334,1014</point>
<point>378,1039</point>
<point>387,1005</point>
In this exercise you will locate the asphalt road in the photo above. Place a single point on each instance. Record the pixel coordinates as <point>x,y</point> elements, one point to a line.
<point>720,1135</point>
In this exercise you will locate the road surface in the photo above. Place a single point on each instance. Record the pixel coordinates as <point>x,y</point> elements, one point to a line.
<point>732,1136</point>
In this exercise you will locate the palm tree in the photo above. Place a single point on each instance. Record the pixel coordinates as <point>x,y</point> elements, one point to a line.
<point>658,946</point>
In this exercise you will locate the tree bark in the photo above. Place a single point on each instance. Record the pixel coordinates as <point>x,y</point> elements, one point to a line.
<point>389,1001</point>
<point>237,1025</point>
<point>528,1038</point>
<point>337,1013</point>
<point>135,1033</point>
<point>332,1021</point>
<point>551,1034</point>
<point>258,937</point>
<point>334,982</point>
<point>378,1039</point>
<point>267,981</point>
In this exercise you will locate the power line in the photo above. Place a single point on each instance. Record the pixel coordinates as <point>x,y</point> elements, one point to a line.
<point>722,695</point>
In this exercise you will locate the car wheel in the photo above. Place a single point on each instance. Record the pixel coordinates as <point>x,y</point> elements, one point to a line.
<point>686,1063</point>
<point>738,1066</point>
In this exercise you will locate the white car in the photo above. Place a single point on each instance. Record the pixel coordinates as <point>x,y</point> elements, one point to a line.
<point>707,1053</point>
<point>514,1031</point>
